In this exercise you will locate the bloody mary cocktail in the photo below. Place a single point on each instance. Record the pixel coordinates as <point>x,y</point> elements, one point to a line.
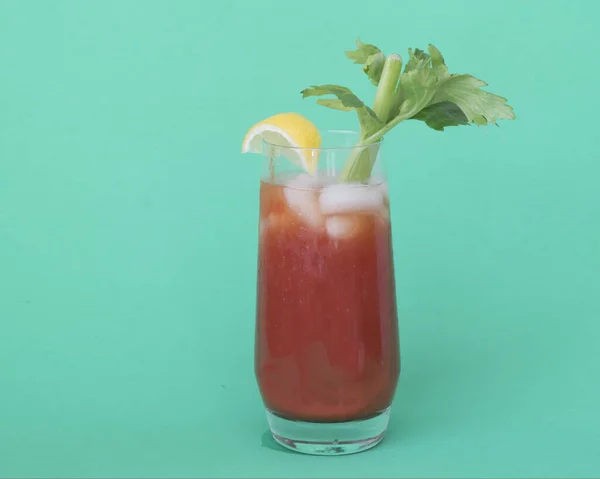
<point>326,335</point>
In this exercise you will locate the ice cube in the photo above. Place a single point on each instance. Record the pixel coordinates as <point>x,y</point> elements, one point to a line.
<point>339,227</point>
<point>305,204</point>
<point>347,198</point>
<point>383,186</point>
<point>324,179</point>
<point>306,181</point>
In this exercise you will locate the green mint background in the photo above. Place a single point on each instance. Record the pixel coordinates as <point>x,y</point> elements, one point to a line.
<point>128,231</point>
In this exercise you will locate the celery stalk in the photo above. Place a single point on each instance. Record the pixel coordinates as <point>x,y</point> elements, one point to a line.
<point>360,162</point>
<point>386,89</point>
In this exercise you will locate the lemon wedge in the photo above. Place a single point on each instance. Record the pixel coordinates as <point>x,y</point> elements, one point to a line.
<point>297,136</point>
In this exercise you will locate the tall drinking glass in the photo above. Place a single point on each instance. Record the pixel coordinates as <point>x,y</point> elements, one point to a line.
<point>327,357</point>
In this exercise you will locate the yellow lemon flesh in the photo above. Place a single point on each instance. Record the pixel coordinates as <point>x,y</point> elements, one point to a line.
<point>297,136</point>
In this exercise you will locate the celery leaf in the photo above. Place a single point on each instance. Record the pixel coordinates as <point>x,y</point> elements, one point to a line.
<point>371,57</point>
<point>428,92</point>
<point>369,123</point>
<point>362,53</point>
<point>479,106</point>
<point>441,115</point>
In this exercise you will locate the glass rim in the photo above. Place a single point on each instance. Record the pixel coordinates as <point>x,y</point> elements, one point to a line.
<point>328,148</point>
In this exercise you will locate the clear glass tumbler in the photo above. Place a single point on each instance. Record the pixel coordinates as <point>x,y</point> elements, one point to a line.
<point>327,356</point>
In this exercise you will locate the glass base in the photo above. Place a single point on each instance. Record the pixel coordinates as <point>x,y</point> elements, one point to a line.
<point>329,439</point>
